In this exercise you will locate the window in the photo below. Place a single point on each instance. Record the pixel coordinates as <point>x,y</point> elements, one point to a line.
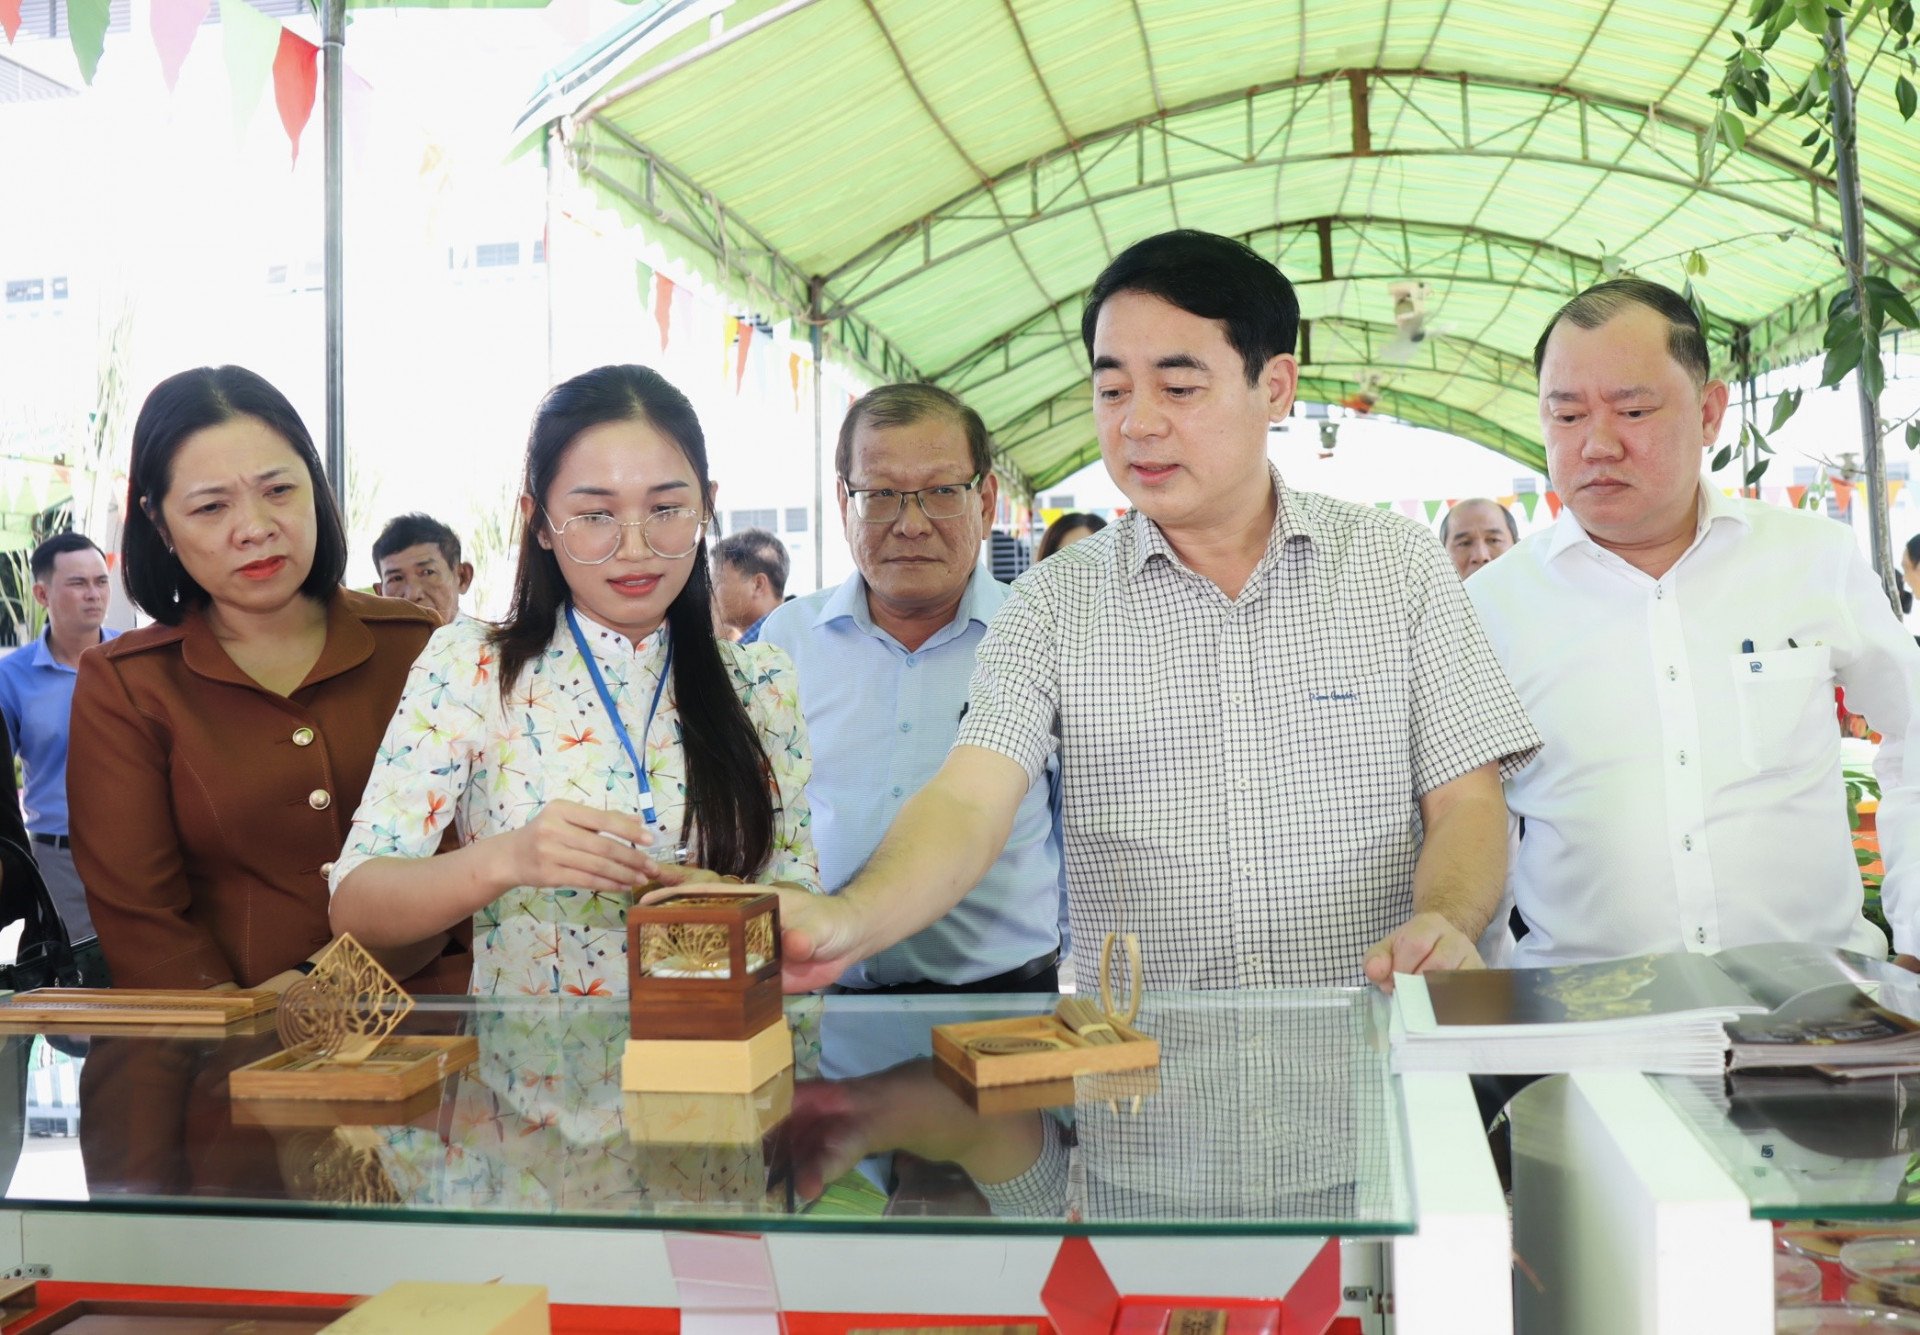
<point>739,519</point>
<point>26,289</point>
<point>540,251</point>
<point>496,255</point>
<point>1059,501</point>
<point>797,519</point>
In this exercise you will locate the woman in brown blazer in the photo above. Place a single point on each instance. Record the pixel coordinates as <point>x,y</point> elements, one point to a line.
<point>217,756</point>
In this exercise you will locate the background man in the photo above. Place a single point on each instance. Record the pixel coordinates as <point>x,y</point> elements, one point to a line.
<point>36,696</point>
<point>884,661</point>
<point>1475,532</point>
<point>418,558</point>
<point>1259,697</point>
<point>749,581</point>
<point>1679,649</point>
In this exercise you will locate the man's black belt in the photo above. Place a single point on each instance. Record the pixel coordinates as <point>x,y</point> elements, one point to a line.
<point>53,840</point>
<point>1013,980</point>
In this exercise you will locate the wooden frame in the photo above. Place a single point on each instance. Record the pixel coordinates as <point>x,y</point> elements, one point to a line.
<point>400,1067</point>
<point>99,1007</point>
<point>732,1006</point>
<point>1068,1053</point>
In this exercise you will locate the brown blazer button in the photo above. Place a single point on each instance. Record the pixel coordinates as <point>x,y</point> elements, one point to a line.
<point>303,736</point>
<point>319,799</point>
<point>326,870</point>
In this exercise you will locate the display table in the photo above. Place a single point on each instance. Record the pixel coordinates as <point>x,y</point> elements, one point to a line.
<point>872,1185</point>
<point>1648,1203</point>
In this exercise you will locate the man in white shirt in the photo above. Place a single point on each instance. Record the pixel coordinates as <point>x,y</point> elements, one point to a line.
<point>1678,650</point>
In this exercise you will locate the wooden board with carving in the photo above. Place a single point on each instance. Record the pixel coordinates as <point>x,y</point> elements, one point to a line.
<point>399,1068</point>
<point>105,1007</point>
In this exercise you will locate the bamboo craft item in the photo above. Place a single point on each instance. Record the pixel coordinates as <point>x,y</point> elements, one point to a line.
<point>1077,1039</point>
<point>337,1024</point>
<point>101,1007</point>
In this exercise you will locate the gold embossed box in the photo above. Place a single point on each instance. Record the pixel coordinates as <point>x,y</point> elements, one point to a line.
<point>704,993</point>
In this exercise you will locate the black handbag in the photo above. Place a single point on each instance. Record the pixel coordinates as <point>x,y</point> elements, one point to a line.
<point>47,956</point>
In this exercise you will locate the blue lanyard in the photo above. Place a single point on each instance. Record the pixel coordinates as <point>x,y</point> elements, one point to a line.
<point>613,714</point>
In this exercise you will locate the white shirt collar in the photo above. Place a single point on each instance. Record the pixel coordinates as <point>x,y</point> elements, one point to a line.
<point>1711,506</point>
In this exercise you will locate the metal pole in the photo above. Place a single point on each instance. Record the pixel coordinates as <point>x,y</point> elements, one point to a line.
<point>815,333</point>
<point>333,36</point>
<point>1852,210</point>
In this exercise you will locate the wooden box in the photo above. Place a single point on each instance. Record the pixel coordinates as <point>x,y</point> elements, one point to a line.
<point>319,1114</point>
<point>1067,1055</point>
<point>416,1308</point>
<point>400,1067</point>
<point>682,1118</point>
<point>704,965</point>
<point>104,1007</point>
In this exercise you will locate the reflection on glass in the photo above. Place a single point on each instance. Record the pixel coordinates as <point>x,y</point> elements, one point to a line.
<point>1269,1113</point>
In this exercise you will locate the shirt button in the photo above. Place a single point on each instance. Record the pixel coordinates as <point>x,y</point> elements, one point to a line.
<point>1700,935</point>
<point>1659,591</point>
<point>1687,843</point>
<point>897,790</point>
<point>326,870</point>
<point>1683,757</point>
<point>906,727</point>
<point>1673,674</point>
<point>303,736</point>
<point>912,661</point>
<point>1242,785</point>
<point>1238,698</point>
<point>319,799</point>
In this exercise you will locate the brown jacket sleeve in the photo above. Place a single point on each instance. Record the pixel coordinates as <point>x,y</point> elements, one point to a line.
<point>124,842</point>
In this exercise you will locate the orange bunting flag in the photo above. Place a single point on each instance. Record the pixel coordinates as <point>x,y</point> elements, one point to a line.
<point>1842,494</point>
<point>296,77</point>
<point>10,18</point>
<point>740,360</point>
<point>1795,495</point>
<point>662,305</point>
<point>1553,504</point>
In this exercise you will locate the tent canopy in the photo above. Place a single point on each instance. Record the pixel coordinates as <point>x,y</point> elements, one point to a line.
<point>939,184</point>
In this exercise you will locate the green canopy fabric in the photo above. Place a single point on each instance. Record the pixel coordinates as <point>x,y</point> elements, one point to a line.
<point>939,183</point>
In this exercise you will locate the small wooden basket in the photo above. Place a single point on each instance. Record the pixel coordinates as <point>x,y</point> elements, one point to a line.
<point>1057,1053</point>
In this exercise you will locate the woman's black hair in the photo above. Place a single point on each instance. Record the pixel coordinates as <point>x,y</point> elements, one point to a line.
<point>729,800</point>
<point>1056,534</point>
<point>179,406</point>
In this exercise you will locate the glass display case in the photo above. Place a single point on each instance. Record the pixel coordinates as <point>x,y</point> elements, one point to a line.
<point>879,1182</point>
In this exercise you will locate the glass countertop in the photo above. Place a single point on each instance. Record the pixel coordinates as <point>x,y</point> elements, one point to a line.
<point>1802,1147</point>
<point>1270,1113</point>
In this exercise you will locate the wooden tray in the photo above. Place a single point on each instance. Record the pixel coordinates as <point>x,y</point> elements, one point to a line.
<point>97,1007</point>
<point>318,1114</point>
<point>1135,1052</point>
<point>115,1316</point>
<point>401,1066</point>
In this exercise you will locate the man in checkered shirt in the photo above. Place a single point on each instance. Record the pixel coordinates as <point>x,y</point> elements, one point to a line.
<point>1262,699</point>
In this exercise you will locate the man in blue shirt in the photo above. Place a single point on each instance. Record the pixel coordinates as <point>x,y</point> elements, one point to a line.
<point>749,581</point>
<point>36,698</point>
<point>884,662</point>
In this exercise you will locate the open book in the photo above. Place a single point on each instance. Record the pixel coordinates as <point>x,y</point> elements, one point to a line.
<point>1786,1004</point>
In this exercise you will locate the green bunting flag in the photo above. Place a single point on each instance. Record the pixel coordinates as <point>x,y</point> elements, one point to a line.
<point>1529,501</point>
<point>1433,508</point>
<point>87,26</point>
<point>252,42</point>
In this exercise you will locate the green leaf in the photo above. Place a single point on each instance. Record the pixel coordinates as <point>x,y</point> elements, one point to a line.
<point>1811,16</point>
<point>1873,375</point>
<point>1891,300</point>
<point>1784,407</point>
<point>1720,460</point>
<point>1745,100</point>
<point>1842,328</point>
<point>1762,10</point>
<point>1757,472</point>
<point>1733,130</point>
<point>1904,94</point>
<point>1900,16</point>
<point>1812,135</point>
<point>1820,153</point>
<point>1913,435</point>
<point>1760,441</point>
<point>1842,357</point>
<point>1696,264</point>
<point>1749,58</point>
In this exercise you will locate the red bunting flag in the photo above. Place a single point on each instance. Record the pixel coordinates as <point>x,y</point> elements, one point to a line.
<point>740,360</point>
<point>1795,495</point>
<point>296,78</point>
<point>10,18</point>
<point>175,24</point>
<point>662,305</point>
<point>1553,504</point>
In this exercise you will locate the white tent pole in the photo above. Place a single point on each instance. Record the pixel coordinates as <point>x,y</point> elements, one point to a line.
<point>333,36</point>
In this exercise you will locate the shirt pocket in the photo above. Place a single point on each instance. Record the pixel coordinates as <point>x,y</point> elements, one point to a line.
<point>1785,705</point>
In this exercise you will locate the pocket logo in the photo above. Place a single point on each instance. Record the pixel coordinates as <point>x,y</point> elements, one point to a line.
<point>1333,697</point>
<point>1756,666</point>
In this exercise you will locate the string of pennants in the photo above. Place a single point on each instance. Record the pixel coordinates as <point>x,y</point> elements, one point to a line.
<point>737,335</point>
<point>1812,496</point>
<point>256,47</point>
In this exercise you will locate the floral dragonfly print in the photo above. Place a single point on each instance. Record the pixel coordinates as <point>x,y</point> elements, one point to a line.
<point>454,752</point>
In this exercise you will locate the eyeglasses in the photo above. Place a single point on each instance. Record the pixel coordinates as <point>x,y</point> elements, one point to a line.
<point>592,540</point>
<point>883,505</point>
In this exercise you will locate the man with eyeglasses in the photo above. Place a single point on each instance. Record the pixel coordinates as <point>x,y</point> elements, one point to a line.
<point>884,661</point>
<point>1280,729</point>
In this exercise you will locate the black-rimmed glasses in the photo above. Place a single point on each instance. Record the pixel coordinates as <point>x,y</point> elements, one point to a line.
<point>883,505</point>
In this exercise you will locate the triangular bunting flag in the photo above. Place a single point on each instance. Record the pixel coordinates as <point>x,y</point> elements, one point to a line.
<point>643,280</point>
<point>1433,508</point>
<point>1842,494</point>
<point>1383,505</point>
<point>729,332</point>
<point>1529,501</point>
<point>662,305</point>
<point>296,76</point>
<point>175,24</point>
<point>793,374</point>
<point>87,26</point>
<point>251,41</point>
<point>1507,502</point>
<point>740,361</point>
<point>358,116</point>
<point>1894,489</point>
<point>1795,495</point>
<point>10,18</point>
<point>1774,495</point>
<point>1411,509</point>
<point>1553,504</point>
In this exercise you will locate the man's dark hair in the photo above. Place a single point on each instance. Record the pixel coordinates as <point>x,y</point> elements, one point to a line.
<point>1686,343</point>
<point>1913,549</point>
<point>903,405</point>
<point>754,551</point>
<point>41,562</point>
<point>1213,277</point>
<point>412,530</point>
<point>178,407</point>
<point>1513,529</point>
